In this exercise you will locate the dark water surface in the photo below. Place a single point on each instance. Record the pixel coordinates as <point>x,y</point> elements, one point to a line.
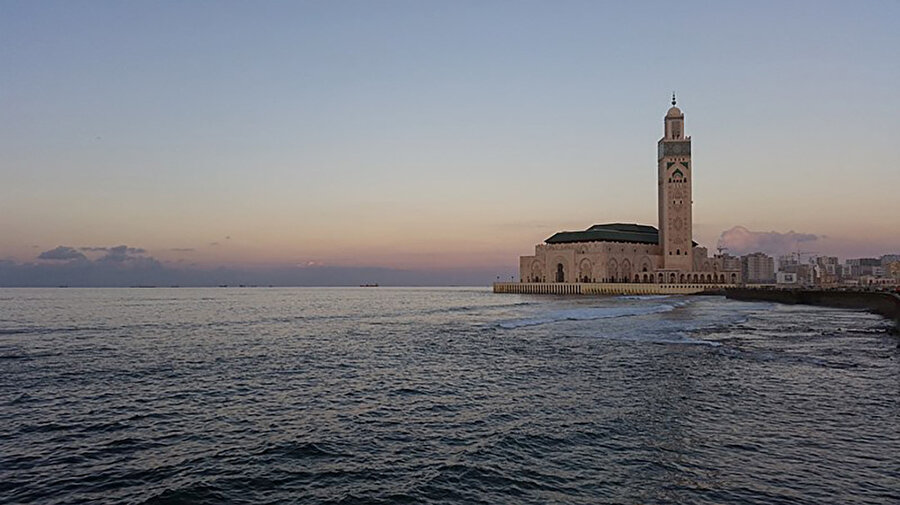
<point>441,396</point>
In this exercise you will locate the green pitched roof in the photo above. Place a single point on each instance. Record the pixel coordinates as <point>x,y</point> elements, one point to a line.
<point>612,232</point>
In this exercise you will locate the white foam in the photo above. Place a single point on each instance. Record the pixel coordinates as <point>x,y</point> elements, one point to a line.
<point>589,314</point>
<point>678,341</point>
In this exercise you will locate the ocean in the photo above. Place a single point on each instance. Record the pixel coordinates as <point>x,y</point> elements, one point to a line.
<point>441,395</point>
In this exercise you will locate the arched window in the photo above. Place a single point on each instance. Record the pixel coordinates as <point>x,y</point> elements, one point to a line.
<point>560,273</point>
<point>584,270</point>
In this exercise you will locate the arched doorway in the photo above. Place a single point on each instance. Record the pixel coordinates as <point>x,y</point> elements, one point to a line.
<point>560,273</point>
<point>537,271</point>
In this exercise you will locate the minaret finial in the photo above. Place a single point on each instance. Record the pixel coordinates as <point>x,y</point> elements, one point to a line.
<point>673,99</point>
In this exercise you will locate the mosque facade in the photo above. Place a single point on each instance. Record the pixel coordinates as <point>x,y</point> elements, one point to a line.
<point>635,253</point>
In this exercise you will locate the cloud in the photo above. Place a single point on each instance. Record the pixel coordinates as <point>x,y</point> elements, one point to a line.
<point>213,244</point>
<point>182,249</point>
<point>119,255</point>
<point>118,266</point>
<point>64,253</point>
<point>739,240</point>
<point>124,254</point>
<point>130,250</point>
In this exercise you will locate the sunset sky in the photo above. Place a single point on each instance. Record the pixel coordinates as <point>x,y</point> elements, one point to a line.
<point>411,134</point>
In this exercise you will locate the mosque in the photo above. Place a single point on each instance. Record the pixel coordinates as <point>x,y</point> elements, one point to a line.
<point>635,253</point>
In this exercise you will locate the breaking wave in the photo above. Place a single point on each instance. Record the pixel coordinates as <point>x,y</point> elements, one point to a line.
<point>589,314</point>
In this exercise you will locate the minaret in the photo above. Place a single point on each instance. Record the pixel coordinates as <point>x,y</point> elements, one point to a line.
<point>675,200</point>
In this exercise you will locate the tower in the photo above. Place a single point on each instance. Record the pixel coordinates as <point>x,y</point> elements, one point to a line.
<point>675,197</point>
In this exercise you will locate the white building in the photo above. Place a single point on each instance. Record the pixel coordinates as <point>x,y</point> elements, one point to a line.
<point>786,278</point>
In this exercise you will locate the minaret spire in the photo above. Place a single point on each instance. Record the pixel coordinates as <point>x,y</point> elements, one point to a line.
<point>673,99</point>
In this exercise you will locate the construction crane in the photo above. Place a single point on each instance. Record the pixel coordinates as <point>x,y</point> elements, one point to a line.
<point>800,254</point>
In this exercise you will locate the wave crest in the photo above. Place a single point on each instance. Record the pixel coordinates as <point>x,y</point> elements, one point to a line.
<point>588,314</point>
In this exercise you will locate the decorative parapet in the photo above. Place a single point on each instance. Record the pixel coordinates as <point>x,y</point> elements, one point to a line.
<point>606,288</point>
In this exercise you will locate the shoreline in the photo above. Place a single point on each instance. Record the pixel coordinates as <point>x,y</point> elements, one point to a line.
<point>883,303</point>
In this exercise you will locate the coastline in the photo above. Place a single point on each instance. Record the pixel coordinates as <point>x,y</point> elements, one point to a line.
<point>883,303</point>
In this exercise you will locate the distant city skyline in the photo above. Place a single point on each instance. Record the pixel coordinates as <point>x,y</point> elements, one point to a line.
<point>434,137</point>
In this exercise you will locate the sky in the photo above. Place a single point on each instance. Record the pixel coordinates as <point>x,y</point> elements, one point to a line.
<point>435,136</point>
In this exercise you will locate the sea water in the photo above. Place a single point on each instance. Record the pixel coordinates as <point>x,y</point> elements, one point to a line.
<point>390,395</point>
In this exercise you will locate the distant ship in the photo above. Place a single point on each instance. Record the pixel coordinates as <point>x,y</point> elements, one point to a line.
<point>369,285</point>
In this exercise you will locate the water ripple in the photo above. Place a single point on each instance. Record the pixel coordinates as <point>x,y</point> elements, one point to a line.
<point>440,396</point>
